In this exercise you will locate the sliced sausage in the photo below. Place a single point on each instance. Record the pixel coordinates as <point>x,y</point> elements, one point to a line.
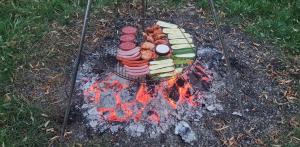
<point>127,38</point>
<point>128,53</point>
<point>129,59</point>
<point>130,56</point>
<point>126,46</point>
<point>129,30</point>
<point>134,64</point>
<point>136,68</point>
<point>138,74</point>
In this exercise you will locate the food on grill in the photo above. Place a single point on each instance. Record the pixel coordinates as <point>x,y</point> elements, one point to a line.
<point>161,41</point>
<point>137,54</point>
<point>127,46</point>
<point>162,49</point>
<point>179,36</point>
<point>134,64</point>
<point>182,46</point>
<point>158,66</point>
<point>143,73</point>
<point>189,55</point>
<point>181,41</point>
<point>161,61</point>
<point>148,46</point>
<point>129,30</point>
<point>154,33</point>
<point>129,52</point>
<point>171,74</point>
<point>173,31</point>
<point>127,38</point>
<point>136,67</point>
<point>180,61</point>
<point>141,70</point>
<point>166,24</point>
<point>162,70</point>
<point>166,50</point>
<point>158,36</point>
<point>183,51</point>
<point>147,54</point>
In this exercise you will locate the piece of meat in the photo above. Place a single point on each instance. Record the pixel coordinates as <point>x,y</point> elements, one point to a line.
<point>130,56</point>
<point>121,58</point>
<point>129,30</point>
<point>161,41</point>
<point>147,54</point>
<point>126,46</point>
<point>136,70</point>
<point>138,74</point>
<point>128,53</point>
<point>134,64</point>
<point>136,67</point>
<point>150,39</point>
<point>127,38</point>
<point>159,36</point>
<point>148,46</point>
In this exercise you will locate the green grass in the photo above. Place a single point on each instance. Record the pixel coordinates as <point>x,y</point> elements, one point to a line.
<point>277,21</point>
<point>22,24</point>
<point>22,124</point>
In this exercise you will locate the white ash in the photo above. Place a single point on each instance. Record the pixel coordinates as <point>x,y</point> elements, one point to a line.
<point>185,131</point>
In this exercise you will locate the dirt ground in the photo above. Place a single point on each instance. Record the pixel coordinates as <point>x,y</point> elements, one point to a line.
<point>260,81</point>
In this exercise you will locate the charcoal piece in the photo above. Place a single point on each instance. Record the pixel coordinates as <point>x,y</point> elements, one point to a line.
<point>174,94</point>
<point>180,82</point>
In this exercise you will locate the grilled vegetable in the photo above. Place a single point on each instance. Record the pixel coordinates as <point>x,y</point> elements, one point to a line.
<point>166,24</point>
<point>180,61</point>
<point>161,61</point>
<point>182,46</point>
<point>173,31</point>
<point>158,66</point>
<point>181,41</point>
<point>184,51</point>
<point>162,70</point>
<point>189,55</point>
<point>179,36</point>
<point>170,74</point>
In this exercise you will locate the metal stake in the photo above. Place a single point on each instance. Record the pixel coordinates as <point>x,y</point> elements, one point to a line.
<point>217,22</point>
<point>75,70</point>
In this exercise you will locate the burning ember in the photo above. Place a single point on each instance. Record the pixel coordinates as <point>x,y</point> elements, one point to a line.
<point>115,106</point>
<point>113,103</point>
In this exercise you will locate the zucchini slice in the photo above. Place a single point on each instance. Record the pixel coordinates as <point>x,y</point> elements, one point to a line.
<point>173,31</point>
<point>179,36</point>
<point>158,66</point>
<point>184,51</point>
<point>181,61</point>
<point>181,41</point>
<point>166,24</point>
<point>182,46</point>
<point>162,70</point>
<point>189,55</point>
<point>162,61</point>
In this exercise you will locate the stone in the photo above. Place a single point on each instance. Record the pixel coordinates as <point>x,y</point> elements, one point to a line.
<point>185,131</point>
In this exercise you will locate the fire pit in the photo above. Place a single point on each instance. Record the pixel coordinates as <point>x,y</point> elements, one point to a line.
<point>147,108</point>
<point>147,105</point>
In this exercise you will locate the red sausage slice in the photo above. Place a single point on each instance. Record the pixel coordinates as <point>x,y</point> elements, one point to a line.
<point>127,38</point>
<point>126,46</point>
<point>129,30</point>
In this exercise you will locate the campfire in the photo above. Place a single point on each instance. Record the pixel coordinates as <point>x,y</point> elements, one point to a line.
<point>114,101</point>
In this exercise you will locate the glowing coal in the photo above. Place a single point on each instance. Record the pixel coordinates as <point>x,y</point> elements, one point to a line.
<point>148,109</point>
